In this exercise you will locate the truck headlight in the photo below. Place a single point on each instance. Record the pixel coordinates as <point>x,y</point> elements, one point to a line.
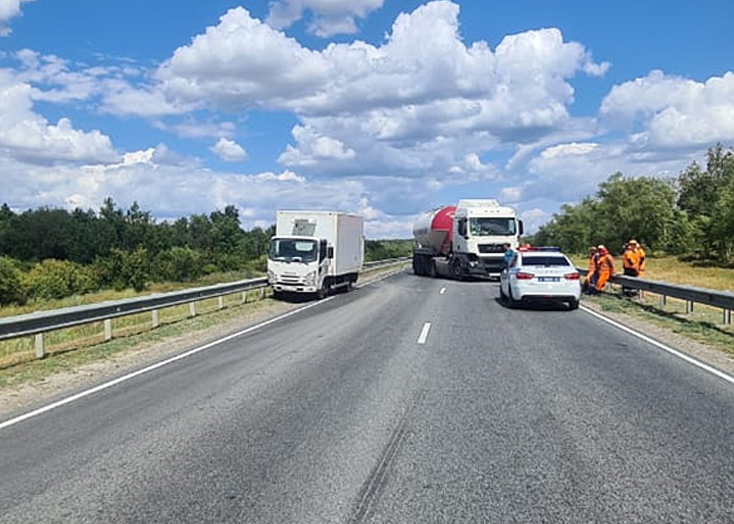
<point>310,278</point>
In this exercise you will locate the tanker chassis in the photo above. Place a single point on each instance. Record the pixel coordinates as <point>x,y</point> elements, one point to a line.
<point>466,240</point>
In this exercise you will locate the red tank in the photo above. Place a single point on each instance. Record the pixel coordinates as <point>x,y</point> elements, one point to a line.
<point>433,229</point>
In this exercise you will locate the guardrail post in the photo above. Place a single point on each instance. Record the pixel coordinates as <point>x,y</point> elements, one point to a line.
<point>220,302</point>
<point>689,307</point>
<point>727,317</point>
<point>155,322</point>
<point>38,346</point>
<point>244,297</point>
<point>108,330</point>
<point>663,300</point>
<point>262,293</point>
<point>192,309</point>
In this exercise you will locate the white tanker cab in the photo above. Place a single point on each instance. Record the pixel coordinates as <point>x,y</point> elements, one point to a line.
<point>466,240</point>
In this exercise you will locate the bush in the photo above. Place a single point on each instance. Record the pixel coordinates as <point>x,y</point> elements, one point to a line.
<point>54,279</point>
<point>12,290</point>
<point>178,264</point>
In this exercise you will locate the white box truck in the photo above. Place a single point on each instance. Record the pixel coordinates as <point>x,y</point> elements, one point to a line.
<point>315,252</point>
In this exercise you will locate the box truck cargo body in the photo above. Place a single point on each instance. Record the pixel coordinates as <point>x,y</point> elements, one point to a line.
<point>315,251</point>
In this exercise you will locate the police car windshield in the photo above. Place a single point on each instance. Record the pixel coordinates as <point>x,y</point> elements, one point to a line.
<point>544,260</point>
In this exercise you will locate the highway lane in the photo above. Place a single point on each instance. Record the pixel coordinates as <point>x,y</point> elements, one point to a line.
<point>341,414</point>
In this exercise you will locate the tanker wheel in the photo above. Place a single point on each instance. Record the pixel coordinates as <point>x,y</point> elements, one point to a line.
<point>432,269</point>
<point>456,269</point>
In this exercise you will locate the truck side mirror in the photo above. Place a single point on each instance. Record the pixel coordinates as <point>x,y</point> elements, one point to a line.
<point>330,252</point>
<point>522,227</point>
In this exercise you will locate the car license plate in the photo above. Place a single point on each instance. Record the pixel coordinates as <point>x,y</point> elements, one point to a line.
<point>549,279</point>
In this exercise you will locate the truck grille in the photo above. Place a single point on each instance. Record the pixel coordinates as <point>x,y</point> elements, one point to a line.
<point>289,280</point>
<point>491,248</point>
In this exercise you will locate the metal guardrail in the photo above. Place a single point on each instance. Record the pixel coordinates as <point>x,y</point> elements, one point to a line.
<point>690,294</point>
<point>36,324</point>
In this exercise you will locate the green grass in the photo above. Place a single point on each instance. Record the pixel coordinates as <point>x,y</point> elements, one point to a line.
<point>704,324</point>
<point>68,351</point>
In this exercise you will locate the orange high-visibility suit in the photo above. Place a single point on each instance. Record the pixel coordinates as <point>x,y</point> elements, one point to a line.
<point>640,253</point>
<point>604,268</point>
<point>631,262</point>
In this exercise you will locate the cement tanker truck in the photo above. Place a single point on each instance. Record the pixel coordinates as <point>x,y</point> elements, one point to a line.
<point>465,240</point>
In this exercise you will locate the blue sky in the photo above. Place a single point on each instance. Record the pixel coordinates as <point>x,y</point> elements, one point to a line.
<point>382,107</point>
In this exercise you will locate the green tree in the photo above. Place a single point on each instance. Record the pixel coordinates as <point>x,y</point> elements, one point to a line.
<point>12,290</point>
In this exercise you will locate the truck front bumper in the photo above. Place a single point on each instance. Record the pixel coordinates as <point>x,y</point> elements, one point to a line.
<point>293,288</point>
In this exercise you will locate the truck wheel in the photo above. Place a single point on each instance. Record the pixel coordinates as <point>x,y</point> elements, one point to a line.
<point>323,291</point>
<point>456,269</point>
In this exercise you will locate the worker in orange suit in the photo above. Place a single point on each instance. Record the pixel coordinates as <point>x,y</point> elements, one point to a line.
<point>590,278</point>
<point>604,267</point>
<point>630,265</point>
<point>640,256</point>
<point>631,260</point>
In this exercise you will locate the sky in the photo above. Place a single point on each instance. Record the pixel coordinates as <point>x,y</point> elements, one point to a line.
<point>386,108</point>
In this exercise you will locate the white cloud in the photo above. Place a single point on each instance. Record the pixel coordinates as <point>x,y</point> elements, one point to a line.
<point>9,9</point>
<point>313,148</point>
<point>229,150</point>
<point>29,137</point>
<point>672,112</point>
<point>329,17</point>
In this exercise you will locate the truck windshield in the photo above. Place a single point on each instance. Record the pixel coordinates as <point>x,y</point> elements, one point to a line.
<point>491,226</point>
<point>293,250</point>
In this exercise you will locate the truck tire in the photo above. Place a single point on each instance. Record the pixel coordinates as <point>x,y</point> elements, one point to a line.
<point>457,271</point>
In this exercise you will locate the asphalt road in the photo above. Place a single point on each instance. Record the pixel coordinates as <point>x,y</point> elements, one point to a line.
<point>356,410</point>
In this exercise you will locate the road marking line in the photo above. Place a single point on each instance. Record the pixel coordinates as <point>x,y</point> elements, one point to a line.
<point>662,346</point>
<point>424,333</point>
<point>152,367</point>
<point>443,290</point>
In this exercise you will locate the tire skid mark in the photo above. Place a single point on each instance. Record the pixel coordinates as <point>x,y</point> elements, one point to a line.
<point>377,480</point>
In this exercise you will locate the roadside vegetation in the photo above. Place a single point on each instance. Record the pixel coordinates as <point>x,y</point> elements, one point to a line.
<point>690,216</point>
<point>51,254</point>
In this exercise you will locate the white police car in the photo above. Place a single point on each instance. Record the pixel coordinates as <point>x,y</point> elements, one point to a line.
<point>540,274</point>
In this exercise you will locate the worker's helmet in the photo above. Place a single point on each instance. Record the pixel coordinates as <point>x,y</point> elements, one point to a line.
<point>602,249</point>
<point>632,242</point>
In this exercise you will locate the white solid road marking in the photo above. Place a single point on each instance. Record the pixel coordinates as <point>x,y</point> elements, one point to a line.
<point>125,378</point>
<point>443,290</point>
<point>655,343</point>
<point>424,333</point>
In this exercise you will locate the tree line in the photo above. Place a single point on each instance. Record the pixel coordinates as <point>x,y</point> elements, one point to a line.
<point>53,253</point>
<point>691,215</point>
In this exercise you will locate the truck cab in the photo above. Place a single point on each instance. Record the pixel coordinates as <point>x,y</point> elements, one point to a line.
<point>297,263</point>
<point>481,228</point>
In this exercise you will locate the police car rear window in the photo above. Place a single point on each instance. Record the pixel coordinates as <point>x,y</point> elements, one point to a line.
<point>544,260</point>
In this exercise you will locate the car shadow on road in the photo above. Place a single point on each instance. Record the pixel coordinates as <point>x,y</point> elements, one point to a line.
<point>535,305</point>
